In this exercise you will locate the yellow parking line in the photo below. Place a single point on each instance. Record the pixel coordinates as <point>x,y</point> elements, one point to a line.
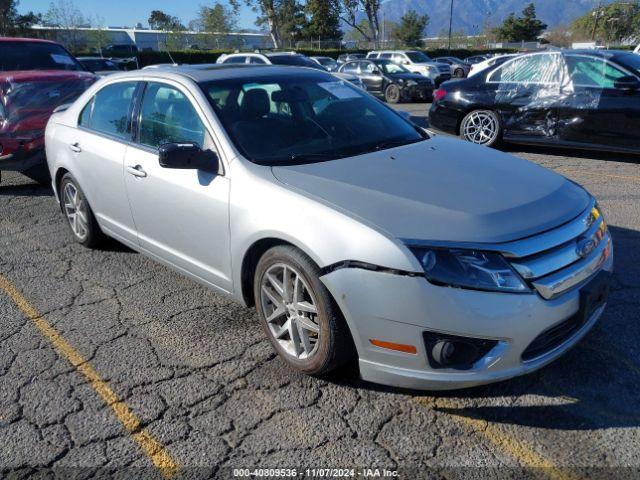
<point>156,452</point>
<point>498,437</point>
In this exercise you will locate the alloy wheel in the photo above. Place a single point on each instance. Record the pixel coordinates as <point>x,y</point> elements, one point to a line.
<point>75,210</point>
<point>480,127</point>
<point>290,310</point>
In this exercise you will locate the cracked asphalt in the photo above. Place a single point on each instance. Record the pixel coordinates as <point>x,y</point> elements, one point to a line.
<point>197,373</point>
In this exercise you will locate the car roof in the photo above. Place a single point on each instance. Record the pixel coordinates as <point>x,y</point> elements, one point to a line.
<point>27,40</point>
<point>222,71</point>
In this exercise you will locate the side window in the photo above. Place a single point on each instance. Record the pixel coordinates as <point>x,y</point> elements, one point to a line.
<point>535,69</point>
<point>368,67</point>
<point>592,72</point>
<point>256,61</point>
<point>167,116</point>
<point>386,56</point>
<point>351,67</point>
<point>240,59</point>
<point>109,110</point>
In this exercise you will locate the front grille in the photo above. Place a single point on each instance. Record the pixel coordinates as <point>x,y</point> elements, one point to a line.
<point>560,259</point>
<point>553,337</point>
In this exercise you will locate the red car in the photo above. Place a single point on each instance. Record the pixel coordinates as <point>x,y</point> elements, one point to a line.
<point>36,77</point>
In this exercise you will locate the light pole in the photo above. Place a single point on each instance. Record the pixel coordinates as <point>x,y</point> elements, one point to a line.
<point>450,25</point>
<point>595,22</point>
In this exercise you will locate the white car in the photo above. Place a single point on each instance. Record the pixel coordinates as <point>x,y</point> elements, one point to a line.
<point>437,263</point>
<point>416,62</point>
<point>637,50</point>
<point>497,60</point>
<point>291,59</point>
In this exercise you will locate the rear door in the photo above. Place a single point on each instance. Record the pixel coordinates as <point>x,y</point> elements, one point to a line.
<point>182,216</point>
<point>99,144</point>
<point>593,110</point>
<point>526,92</point>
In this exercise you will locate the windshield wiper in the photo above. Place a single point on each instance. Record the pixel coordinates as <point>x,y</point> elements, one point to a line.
<point>395,143</point>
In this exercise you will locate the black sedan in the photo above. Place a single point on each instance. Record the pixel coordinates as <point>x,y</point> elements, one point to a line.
<point>391,81</point>
<point>581,99</point>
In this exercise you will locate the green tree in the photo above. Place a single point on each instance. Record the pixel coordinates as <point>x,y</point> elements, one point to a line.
<point>216,19</point>
<point>323,20</point>
<point>11,22</point>
<point>615,22</point>
<point>524,28</point>
<point>411,29</point>
<point>349,13</point>
<point>268,14</point>
<point>65,15</point>
<point>158,20</point>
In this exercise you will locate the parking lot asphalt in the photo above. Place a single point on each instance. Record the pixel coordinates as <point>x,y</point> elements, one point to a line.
<point>111,363</point>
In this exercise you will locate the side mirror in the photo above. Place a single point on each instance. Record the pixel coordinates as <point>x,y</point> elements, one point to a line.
<point>188,156</point>
<point>377,73</point>
<point>628,83</point>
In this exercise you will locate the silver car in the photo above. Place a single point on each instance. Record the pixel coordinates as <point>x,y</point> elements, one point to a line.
<point>437,264</point>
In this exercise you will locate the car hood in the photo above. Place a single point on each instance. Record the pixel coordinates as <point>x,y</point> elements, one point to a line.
<point>443,190</point>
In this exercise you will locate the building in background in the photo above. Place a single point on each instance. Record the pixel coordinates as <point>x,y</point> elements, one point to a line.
<point>89,38</point>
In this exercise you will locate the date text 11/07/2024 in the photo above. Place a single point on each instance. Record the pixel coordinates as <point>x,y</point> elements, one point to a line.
<point>316,472</point>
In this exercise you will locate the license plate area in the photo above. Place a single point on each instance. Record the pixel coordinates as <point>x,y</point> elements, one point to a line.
<point>594,295</point>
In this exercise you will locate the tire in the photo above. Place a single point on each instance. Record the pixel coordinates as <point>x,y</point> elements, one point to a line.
<point>392,94</point>
<point>86,232</point>
<point>482,127</point>
<point>328,342</point>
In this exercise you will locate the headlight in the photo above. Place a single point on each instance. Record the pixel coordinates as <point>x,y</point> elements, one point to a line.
<point>471,269</point>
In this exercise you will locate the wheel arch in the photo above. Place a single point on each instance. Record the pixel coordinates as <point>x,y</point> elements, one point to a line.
<point>250,262</point>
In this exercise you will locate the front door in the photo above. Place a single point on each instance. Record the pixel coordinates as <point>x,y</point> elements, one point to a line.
<point>371,76</point>
<point>182,216</point>
<point>593,110</point>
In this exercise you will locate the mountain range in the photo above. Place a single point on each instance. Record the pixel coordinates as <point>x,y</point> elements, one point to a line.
<point>471,16</point>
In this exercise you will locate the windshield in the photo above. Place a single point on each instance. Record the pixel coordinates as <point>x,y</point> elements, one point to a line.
<point>98,65</point>
<point>24,97</point>
<point>290,119</point>
<point>328,62</point>
<point>391,68</point>
<point>418,57</point>
<point>295,60</point>
<point>16,56</point>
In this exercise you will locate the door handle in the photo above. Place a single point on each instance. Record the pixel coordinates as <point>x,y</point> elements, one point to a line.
<point>75,147</point>
<point>136,171</point>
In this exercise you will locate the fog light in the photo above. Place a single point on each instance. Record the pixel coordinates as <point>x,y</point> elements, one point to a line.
<point>450,351</point>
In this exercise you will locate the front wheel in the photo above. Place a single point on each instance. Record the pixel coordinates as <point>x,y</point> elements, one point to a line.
<point>80,218</point>
<point>392,94</point>
<point>300,318</point>
<point>481,127</point>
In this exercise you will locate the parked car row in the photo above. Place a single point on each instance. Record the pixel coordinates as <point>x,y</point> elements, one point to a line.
<point>573,98</point>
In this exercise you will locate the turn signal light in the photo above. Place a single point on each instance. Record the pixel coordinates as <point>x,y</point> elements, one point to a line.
<point>439,94</point>
<point>398,347</point>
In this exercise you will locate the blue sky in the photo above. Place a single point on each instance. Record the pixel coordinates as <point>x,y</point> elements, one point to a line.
<point>130,12</point>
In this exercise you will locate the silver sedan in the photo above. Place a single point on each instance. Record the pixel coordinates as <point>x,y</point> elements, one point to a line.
<point>435,263</point>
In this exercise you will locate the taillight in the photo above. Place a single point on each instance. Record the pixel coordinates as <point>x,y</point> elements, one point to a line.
<point>439,94</point>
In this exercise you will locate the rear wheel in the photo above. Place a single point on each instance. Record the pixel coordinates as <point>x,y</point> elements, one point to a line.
<point>300,318</point>
<point>80,218</point>
<point>481,127</point>
<point>392,94</point>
